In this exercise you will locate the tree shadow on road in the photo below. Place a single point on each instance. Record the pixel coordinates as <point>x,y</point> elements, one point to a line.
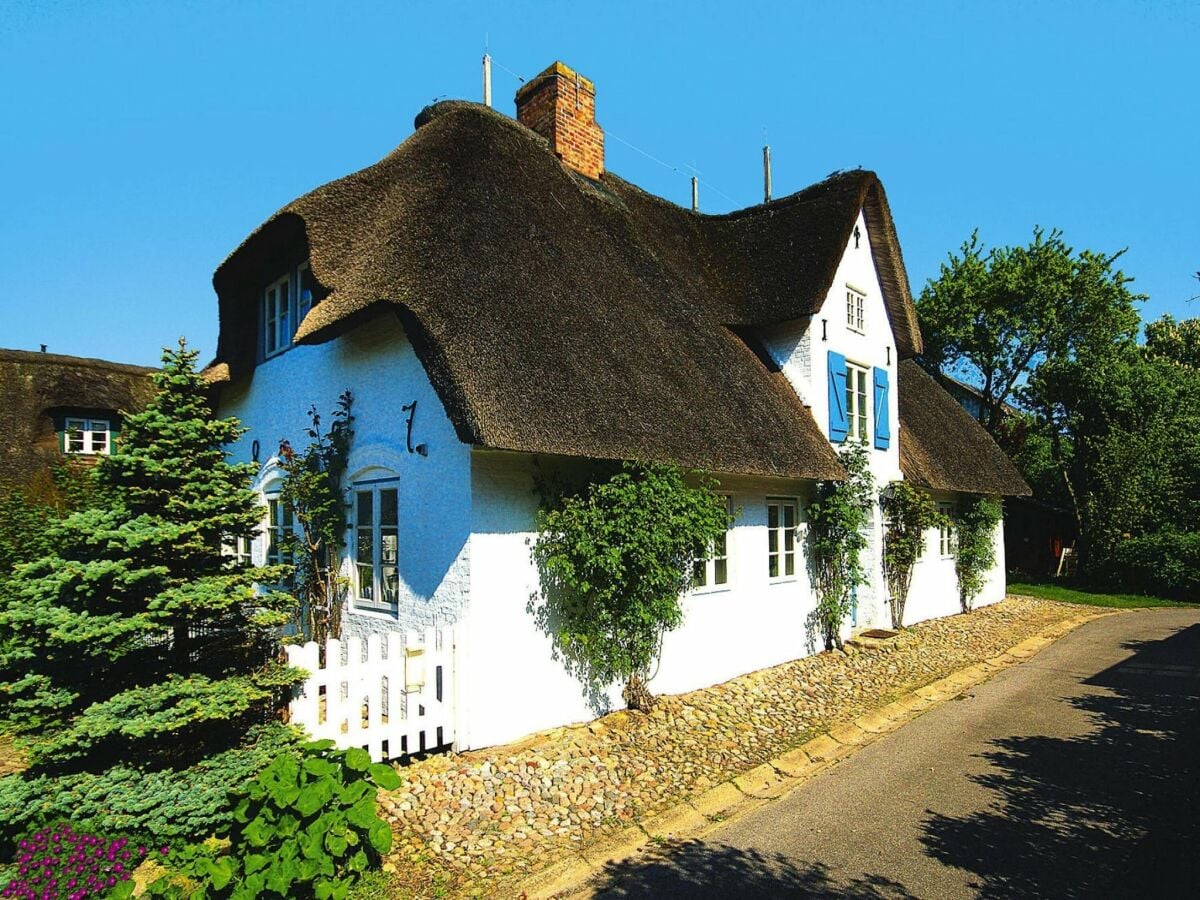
<point>696,869</point>
<point>1111,813</point>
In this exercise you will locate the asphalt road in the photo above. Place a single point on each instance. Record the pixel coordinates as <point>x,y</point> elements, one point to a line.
<point>1074,774</point>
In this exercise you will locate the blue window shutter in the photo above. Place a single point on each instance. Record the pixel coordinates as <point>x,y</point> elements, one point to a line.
<point>839,422</point>
<point>883,425</point>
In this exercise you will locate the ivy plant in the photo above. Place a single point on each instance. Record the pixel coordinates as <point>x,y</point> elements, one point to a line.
<point>838,520</point>
<point>615,560</point>
<point>975,520</point>
<point>307,826</point>
<point>313,489</point>
<point>907,512</point>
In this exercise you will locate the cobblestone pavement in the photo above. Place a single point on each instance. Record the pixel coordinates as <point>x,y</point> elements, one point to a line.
<point>483,816</point>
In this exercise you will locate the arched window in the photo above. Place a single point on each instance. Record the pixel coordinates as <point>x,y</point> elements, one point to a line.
<point>376,520</point>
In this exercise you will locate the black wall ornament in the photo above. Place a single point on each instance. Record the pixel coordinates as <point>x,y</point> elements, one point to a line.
<point>411,409</point>
<point>254,450</point>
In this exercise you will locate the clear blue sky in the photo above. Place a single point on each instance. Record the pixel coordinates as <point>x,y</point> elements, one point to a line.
<point>141,141</point>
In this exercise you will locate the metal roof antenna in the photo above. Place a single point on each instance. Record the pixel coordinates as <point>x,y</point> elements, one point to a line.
<point>766,173</point>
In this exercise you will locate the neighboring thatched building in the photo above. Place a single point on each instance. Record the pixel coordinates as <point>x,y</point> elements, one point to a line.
<point>61,407</point>
<point>501,305</point>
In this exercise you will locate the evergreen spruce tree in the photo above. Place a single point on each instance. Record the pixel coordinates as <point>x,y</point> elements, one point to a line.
<point>137,639</point>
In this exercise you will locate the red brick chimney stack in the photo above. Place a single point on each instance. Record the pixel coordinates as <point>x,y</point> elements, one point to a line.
<point>560,105</point>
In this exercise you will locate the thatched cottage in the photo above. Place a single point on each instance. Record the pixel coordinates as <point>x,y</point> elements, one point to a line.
<point>58,408</point>
<point>498,303</point>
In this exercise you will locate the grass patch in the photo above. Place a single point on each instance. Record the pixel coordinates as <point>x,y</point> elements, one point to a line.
<point>1066,594</point>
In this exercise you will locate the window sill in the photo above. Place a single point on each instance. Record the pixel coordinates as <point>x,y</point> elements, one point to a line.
<point>785,579</point>
<point>711,589</point>
<point>379,612</point>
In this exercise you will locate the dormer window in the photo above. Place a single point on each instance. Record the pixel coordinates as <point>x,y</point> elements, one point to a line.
<point>285,304</point>
<point>277,315</point>
<point>89,437</point>
<point>856,302</point>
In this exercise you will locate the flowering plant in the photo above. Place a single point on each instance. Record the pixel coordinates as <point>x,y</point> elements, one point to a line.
<point>58,863</point>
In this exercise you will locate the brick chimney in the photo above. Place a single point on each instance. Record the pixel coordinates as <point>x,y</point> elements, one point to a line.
<point>560,105</point>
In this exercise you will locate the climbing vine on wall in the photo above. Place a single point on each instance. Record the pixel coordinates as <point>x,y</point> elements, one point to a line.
<point>975,521</point>
<point>907,512</point>
<point>313,488</point>
<point>838,522</point>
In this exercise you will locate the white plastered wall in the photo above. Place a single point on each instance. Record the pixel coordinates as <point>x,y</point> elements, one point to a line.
<point>517,685</point>
<point>377,364</point>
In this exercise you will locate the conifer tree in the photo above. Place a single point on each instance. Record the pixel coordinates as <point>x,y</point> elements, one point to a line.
<point>138,637</point>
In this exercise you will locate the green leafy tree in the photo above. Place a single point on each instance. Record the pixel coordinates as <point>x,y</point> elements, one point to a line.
<point>313,489</point>
<point>614,563</point>
<point>1125,429</point>
<point>1173,341</point>
<point>137,637</point>
<point>994,315</point>
<point>975,521</point>
<point>838,521</point>
<point>908,512</point>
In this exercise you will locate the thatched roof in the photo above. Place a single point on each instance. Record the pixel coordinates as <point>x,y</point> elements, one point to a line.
<point>943,447</point>
<point>561,315</point>
<point>37,386</point>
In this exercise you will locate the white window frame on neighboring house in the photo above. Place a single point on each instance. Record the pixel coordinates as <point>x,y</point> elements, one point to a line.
<point>277,316</point>
<point>946,543</point>
<point>712,573</point>
<point>94,436</point>
<point>857,412</point>
<point>783,540</point>
<point>856,310</point>
<point>374,563</point>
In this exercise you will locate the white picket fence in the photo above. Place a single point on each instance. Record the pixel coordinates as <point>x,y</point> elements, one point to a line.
<point>390,695</point>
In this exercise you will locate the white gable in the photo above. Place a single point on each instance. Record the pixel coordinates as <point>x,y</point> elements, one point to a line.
<point>801,347</point>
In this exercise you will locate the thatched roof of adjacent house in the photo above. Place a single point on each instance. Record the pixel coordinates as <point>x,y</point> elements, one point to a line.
<point>943,447</point>
<point>37,386</point>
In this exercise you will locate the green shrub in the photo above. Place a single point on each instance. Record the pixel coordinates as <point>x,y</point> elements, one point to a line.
<point>614,562</point>
<point>1165,564</point>
<point>307,826</point>
<point>172,805</point>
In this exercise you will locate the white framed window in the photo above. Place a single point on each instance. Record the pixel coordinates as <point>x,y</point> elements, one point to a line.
<point>243,550</point>
<point>856,401</point>
<point>377,546</point>
<point>286,302</point>
<point>90,437</point>
<point>856,303</point>
<point>946,544</point>
<point>783,515</point>
<point>277,315</point>
<point>712,572</point>
<point>281,524</point>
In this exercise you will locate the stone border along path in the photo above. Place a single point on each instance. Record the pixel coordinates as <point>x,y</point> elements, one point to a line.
<point>541,816</point>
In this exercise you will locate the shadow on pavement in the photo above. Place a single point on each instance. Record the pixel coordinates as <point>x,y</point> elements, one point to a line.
<point>1111,813</point>
<point>702,870</point>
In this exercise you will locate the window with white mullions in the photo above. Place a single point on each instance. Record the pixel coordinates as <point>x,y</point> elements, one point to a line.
<point>281,526</point>
<point>377,547</point>
<point>856,400</point>
<point>856,303</point>
<point>946,530</point>
<point>782,519</point>
<point>277,315</point>
<point>90,437</point>
<point>713,570</point>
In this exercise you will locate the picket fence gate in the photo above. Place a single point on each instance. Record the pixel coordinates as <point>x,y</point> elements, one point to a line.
<point>390,694</point>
